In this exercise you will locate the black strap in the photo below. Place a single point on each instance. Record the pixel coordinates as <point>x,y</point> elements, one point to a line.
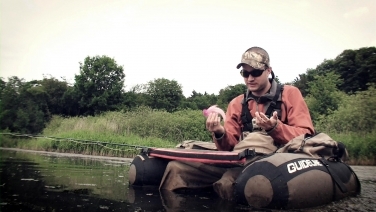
<point>248,153</point>
<point>359,187</point>
<point>273,105</point>
<point>246,116</point>
<point>334,176</point>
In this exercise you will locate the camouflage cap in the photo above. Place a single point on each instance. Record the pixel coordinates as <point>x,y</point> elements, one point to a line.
<point>256,57</point>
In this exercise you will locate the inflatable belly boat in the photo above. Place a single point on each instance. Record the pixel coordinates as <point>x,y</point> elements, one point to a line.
<point>276,181</point>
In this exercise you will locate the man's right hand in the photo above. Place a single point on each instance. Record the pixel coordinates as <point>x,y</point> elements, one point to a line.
<point>213,124</point>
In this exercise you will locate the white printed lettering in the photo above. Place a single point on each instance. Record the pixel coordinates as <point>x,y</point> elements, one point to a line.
<point>291,168</point>
<point>302,164</point>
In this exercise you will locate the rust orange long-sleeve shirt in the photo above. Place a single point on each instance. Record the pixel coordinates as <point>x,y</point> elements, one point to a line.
<point>295,119</point>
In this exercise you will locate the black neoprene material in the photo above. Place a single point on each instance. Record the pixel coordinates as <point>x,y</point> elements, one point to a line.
<point>273,174</point>
<point>279,177</point>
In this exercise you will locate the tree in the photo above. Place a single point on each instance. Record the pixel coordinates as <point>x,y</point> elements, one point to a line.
<point>355,113</point>
<point>99,85</point>
<point>136,96</point>
<point>199,101</point>
<point>276,78</point>
<point>10,101</point>
<point>302,81</point>
<point>229,93</point>
<point>33,112</point>
<point>2,86</point>
<point>55,90</point>
<point>24,106</point>
<point>70,101</point>
<point>357,68</point>
<point>164,94</point>
<point>324,96</point>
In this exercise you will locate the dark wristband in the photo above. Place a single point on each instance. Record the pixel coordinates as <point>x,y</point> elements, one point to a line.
<point>218,136</point>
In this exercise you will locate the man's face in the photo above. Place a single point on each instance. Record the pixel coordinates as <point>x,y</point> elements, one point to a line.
<point>256,84</point>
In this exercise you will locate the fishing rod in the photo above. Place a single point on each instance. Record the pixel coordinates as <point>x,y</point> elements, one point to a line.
<point>80,141</point>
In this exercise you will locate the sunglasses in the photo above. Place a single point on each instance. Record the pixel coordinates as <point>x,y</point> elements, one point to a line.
<point>254,73</point>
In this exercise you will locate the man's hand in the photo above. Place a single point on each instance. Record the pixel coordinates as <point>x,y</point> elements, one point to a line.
<point>264,122</point>
<point>213,124</point>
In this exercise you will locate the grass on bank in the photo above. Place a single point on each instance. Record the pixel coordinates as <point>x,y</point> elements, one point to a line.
<point>79,143</point>
<point>140,127</point>
<point>152,128</point>
<point>360,146</point>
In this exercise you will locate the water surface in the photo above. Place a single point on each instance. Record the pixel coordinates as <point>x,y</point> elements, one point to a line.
<point>65,182</point>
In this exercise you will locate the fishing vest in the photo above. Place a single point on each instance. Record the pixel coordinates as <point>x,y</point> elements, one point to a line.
<point>272,102</point>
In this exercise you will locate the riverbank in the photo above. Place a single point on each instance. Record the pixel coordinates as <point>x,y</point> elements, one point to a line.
<point>124,134</point>
<point>119,147</point>
<point>59,154</point>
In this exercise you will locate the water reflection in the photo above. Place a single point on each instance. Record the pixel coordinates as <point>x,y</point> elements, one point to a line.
<point>35,182</point>
<point>41,182</point>
<point>150,199</point>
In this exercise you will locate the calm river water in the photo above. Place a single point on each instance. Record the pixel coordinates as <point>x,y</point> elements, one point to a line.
<point>65,182</point>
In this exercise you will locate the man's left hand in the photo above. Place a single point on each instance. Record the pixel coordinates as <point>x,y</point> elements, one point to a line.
<point>264,122</point>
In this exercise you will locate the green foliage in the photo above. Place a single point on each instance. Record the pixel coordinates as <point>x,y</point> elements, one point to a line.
<point>70,101</point>
<point>356,68</point>
<point>353,124</point>
<point>199,101</point>
<point>174,127</point>
<point>323,97</point>
<point>2,86</point>
<point>136,96</point>
<point>276,78</point>
<point>9,99</point>
<point>360,146</point>
<point>229,93</point>
<point>164,94</point>
<point>99,85</point>
<point>157,114</point>
<point>24,106</point>
<point>302,82</point>
<point>355,113</point>
<point>55,90</point>
<point>142,126</point>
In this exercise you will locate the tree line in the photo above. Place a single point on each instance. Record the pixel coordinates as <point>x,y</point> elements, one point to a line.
<point>27,106</point>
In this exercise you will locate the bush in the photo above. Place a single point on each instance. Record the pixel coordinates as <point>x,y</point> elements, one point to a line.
<point>355,114</point>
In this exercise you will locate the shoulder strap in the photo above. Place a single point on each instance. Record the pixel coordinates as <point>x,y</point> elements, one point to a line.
<point>274,104</point>
<point>246,116</point>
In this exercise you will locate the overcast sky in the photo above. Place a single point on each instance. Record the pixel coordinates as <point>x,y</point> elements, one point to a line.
<point>197,43</point>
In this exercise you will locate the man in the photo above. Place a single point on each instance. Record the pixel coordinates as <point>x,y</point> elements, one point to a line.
<point>248,126</point>
<point>295,118</point>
